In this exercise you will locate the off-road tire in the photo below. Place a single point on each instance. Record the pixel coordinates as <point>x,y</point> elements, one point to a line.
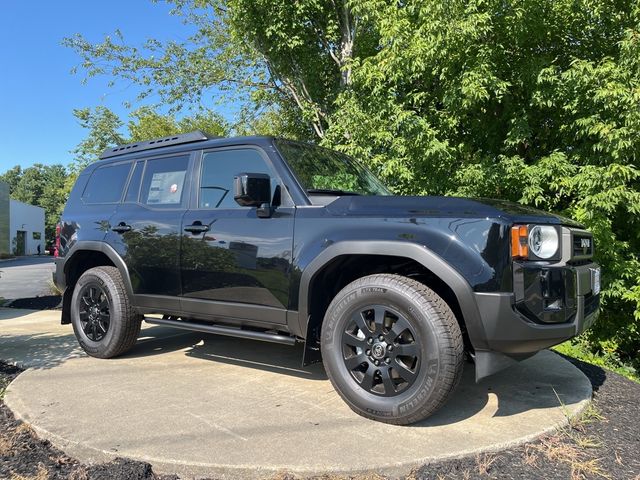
<point>124,322</point>
<point>438,341</point>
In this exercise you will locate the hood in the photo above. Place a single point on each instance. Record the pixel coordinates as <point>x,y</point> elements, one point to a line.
<point>396,206</point>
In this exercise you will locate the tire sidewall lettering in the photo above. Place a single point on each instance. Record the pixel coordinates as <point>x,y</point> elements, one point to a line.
<point>429,370</point>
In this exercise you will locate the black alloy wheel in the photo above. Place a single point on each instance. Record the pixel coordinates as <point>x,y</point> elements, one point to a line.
<point>95,311</point>
<point>105,323</point>
<point>379,350</point>
<point>392,348</point>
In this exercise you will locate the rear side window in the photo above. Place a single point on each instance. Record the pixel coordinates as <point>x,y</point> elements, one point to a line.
<point>106,184</point>
<point>163,182</point>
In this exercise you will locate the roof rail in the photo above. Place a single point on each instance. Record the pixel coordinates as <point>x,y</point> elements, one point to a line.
<point>196,136</point>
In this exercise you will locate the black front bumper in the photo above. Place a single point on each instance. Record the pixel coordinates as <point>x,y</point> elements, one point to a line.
<point>516,325</point>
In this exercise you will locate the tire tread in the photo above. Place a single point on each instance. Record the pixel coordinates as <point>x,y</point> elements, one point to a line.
<point>448,334</point>
<point>131,321</point>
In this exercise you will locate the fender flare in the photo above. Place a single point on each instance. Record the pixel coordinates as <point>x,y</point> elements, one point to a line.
<point>62,267</point>
<point>419,253</point>
<point>102,247</point>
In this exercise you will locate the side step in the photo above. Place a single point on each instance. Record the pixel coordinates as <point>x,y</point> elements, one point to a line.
<point>220,330</point>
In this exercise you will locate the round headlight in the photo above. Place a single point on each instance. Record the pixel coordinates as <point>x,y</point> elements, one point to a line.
<point>543,241</point>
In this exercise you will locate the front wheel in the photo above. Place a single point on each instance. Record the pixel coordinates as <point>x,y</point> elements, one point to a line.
<point>103,320</point>
<point>392,348</point>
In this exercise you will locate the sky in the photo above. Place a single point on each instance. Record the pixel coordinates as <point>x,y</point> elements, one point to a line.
<point>37,90</point>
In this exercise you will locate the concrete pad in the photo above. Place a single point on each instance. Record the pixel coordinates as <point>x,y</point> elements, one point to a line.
<point>203,405</point>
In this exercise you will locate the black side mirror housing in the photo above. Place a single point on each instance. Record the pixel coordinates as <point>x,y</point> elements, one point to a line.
<point>253,190</point>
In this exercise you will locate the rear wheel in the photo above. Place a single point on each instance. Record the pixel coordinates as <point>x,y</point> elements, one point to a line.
<point>392,348</point>
<point>103,320</point>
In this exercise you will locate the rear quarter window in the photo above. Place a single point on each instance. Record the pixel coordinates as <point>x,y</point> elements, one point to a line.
<point>106,184</point>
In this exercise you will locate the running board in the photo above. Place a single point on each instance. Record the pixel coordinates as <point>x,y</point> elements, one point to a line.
<point>219,330</point>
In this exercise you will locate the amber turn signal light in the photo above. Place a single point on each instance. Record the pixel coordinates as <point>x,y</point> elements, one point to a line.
<point>519,237</point>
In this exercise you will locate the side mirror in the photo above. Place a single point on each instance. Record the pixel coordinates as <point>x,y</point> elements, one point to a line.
<point>252,190</point>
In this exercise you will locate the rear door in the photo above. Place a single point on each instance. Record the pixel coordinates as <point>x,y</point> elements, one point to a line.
<point>234,264</point>
<point>145,229</point>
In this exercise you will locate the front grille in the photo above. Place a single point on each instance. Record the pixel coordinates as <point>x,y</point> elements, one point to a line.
<point>582,245</point>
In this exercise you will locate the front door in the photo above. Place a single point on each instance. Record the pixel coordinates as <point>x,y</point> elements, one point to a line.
<point>234,264</point>
<point>21,242</point>
<point>145,230</point>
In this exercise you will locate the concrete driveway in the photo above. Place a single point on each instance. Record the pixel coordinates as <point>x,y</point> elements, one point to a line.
<point>26,277</point>
<point>204,405</point>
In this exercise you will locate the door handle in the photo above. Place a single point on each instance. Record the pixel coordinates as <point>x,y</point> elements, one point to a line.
<point>122,228</point>
<point>196,227</point>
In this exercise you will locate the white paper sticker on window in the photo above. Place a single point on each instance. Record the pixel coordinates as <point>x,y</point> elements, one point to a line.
<point>166,188</point>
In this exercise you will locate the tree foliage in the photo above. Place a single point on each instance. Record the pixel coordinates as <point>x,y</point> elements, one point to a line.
<point>40,185</point>
<point>536,101</point>
<point>105,129</point>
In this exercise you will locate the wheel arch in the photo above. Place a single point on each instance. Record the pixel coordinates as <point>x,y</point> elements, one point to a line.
<point>443,278</point>
<point>83,256</point>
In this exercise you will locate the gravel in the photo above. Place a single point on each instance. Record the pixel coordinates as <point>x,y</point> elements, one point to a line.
<point>604,443</point>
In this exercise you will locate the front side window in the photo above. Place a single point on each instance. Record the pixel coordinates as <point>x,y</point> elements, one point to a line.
<point>106,184</point>
<point>163,182</point>
<point>218,170</point>
<point>320,170</point>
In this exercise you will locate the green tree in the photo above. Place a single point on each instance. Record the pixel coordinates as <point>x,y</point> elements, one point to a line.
<point>536,101</point>
<point>295,57</point>
<point>105,129</point>
<point>11,177</point>
<point>40,185</point>
<point>103,126</point>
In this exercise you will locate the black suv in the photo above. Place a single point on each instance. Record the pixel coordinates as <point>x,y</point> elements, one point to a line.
<point>286,242</point>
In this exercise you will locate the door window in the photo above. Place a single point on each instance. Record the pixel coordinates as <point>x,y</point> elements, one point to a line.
<point>106,184</point>
<point>218,170</point>
<point>163,182</point>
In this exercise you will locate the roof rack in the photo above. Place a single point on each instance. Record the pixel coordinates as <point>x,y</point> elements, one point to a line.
<point>196,136</point>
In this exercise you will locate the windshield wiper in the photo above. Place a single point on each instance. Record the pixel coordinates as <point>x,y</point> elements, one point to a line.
<point>328,191</point>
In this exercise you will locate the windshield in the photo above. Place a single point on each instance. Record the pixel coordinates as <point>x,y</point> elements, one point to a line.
<point>323,171</point>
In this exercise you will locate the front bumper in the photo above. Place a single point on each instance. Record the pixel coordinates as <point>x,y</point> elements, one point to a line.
<point>514,333</point>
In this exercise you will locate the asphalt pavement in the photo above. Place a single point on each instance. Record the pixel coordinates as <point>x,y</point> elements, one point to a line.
<point>26,277</point>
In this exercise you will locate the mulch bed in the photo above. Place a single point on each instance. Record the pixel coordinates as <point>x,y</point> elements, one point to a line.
<point>605,443</point>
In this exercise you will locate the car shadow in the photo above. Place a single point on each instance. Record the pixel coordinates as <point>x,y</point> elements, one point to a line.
<point>510,392</point>
<point>266,356</point>
<point>270,357</point>
<point>530,384</point>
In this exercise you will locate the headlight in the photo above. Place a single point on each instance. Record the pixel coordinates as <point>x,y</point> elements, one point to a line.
<point>543,241</point>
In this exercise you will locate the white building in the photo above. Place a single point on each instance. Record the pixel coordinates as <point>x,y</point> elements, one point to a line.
<point>26,228</point>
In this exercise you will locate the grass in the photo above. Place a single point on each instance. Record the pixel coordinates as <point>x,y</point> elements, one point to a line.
<point>3,386</point>
<point>53,289</point>
<point>571,445</point>
<point>575,349</point>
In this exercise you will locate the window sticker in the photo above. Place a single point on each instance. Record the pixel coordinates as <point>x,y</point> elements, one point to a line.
<point>166,188</point>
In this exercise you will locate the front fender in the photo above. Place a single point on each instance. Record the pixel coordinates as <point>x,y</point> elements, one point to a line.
<point>419,253</point>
